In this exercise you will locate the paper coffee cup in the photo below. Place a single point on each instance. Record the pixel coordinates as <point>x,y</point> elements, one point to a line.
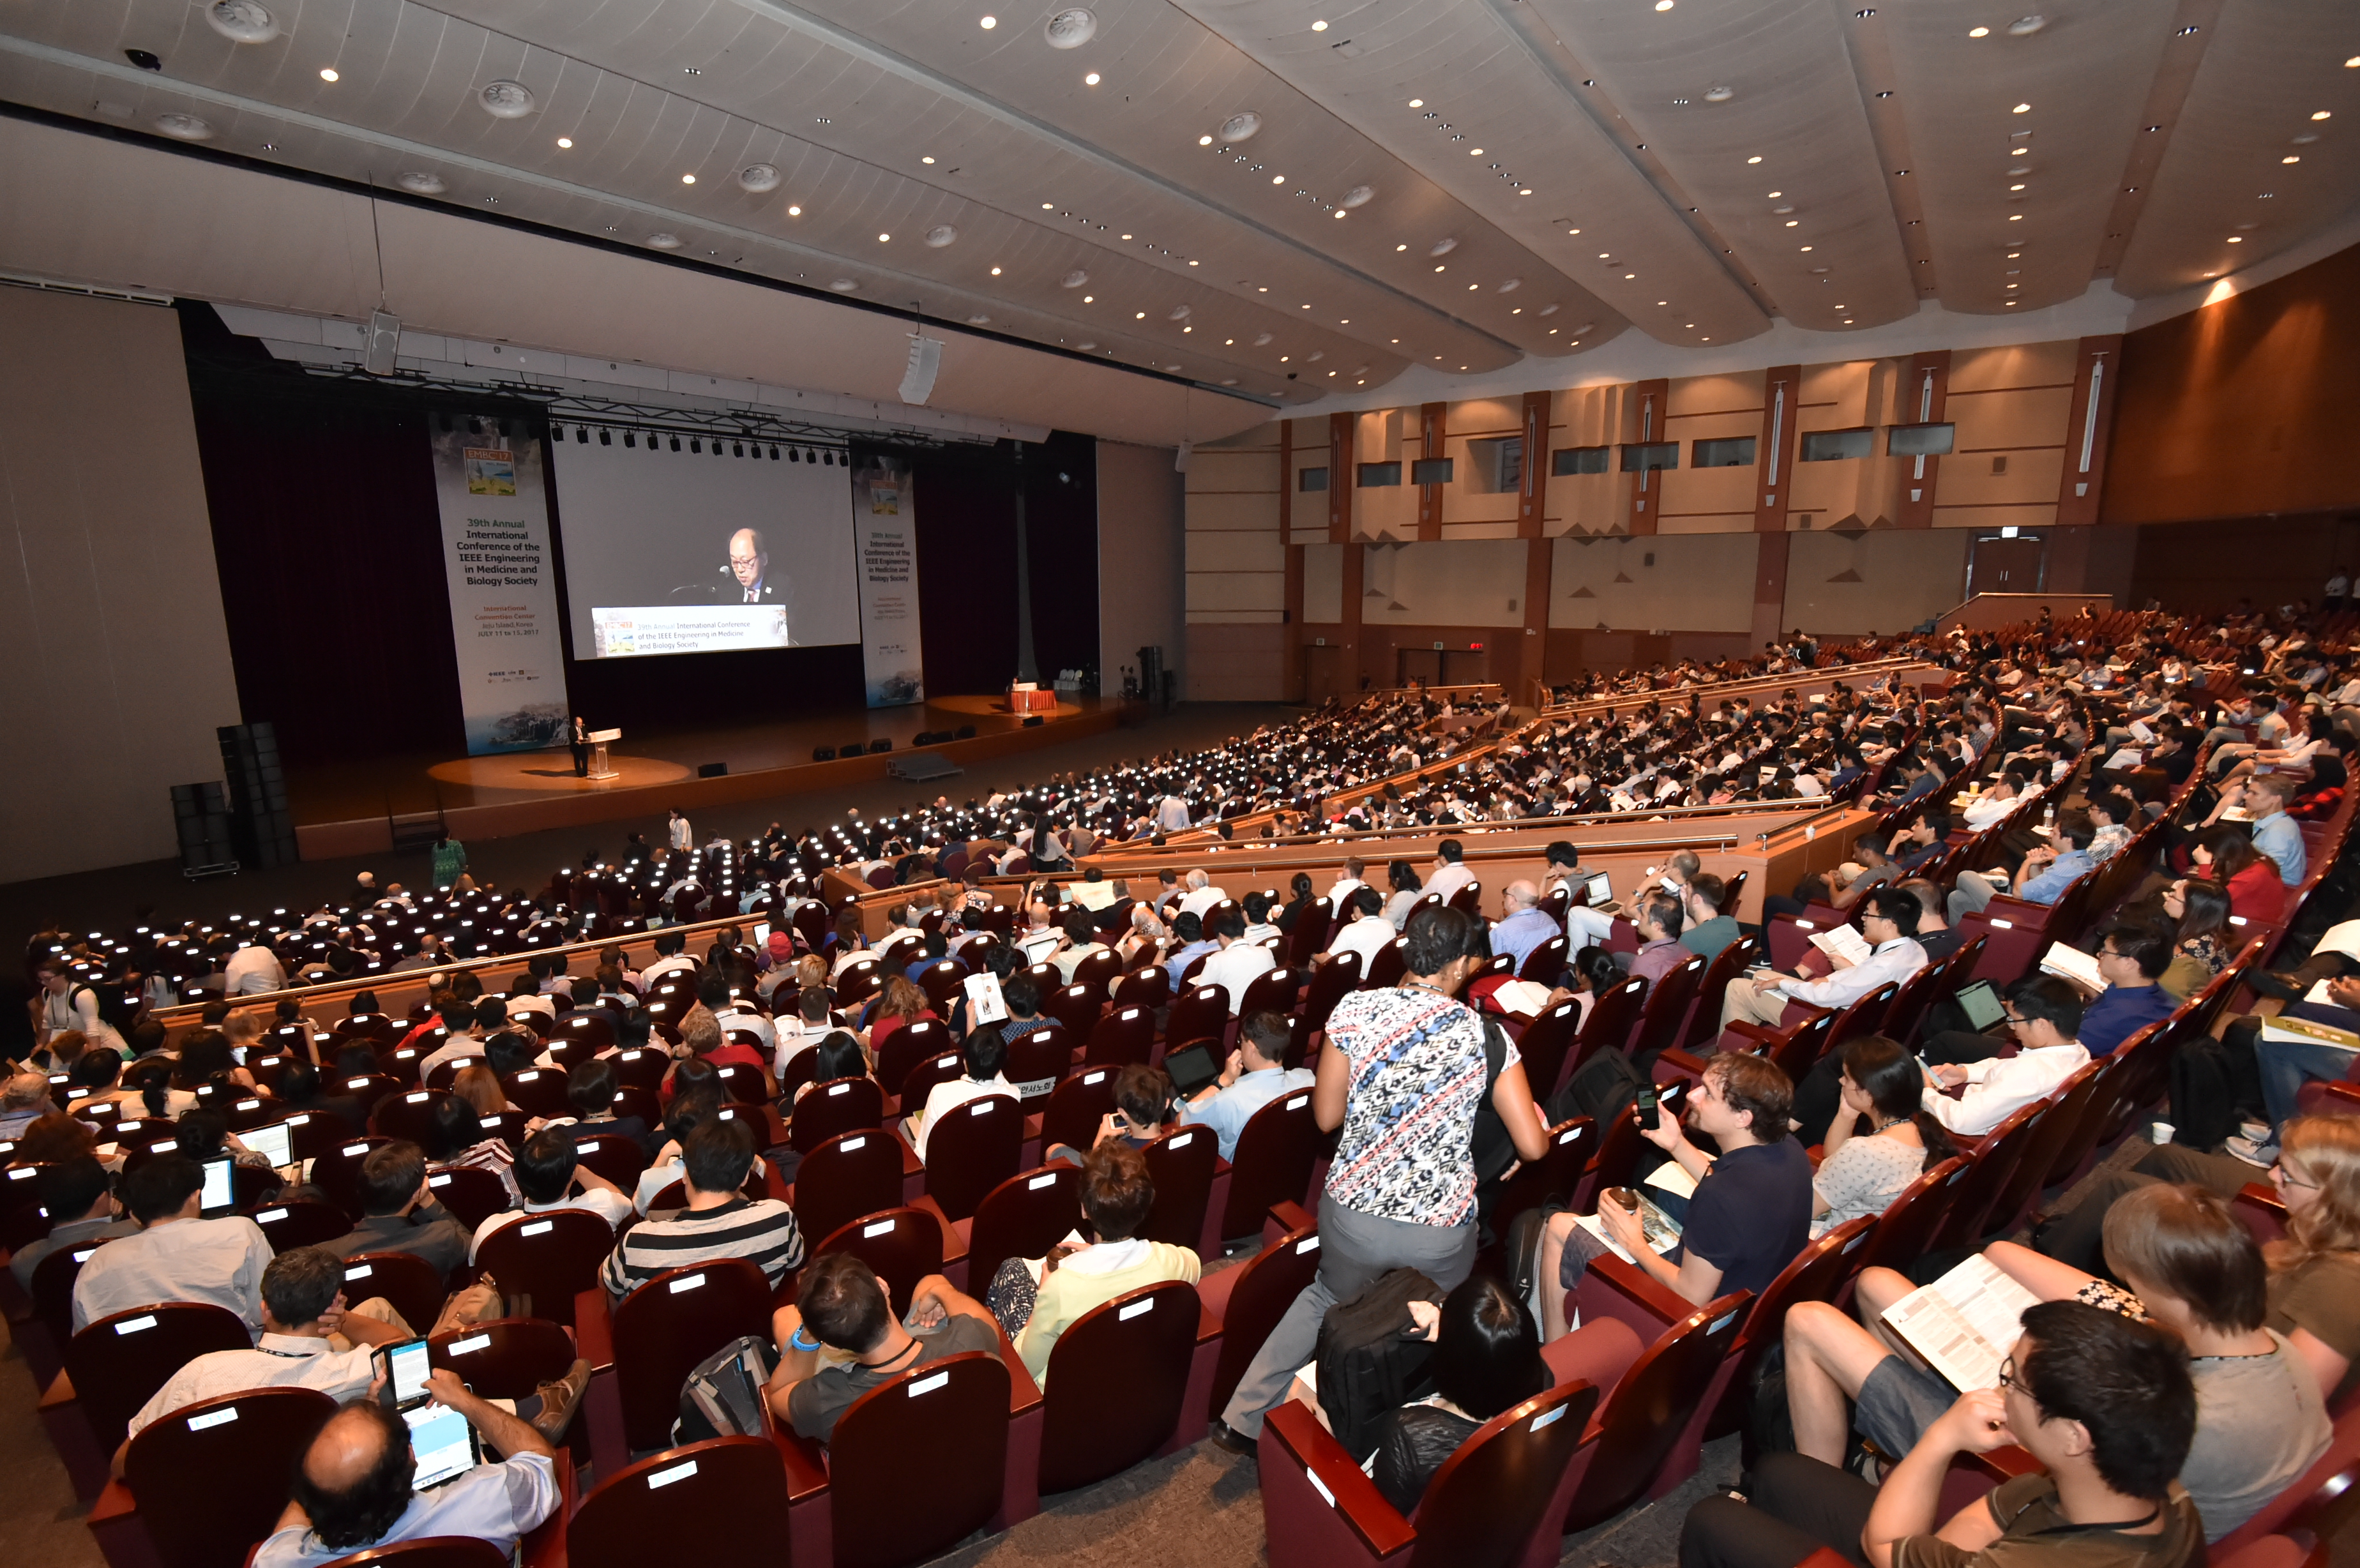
<point>2159,1133</point>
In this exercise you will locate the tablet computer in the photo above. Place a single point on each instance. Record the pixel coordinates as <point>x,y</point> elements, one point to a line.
<point>275,1143</point>
<point>1600,889</point>
<point>442,1442</point>
<point>404,1368</point>
<point>220,1196</point>
<point>1982,1005</point>
<point>1192,1068</point>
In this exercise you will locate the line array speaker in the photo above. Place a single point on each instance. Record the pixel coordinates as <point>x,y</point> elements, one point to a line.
<point>262,828</point>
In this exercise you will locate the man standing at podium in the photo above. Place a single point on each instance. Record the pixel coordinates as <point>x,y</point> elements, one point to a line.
<point>581,743</point>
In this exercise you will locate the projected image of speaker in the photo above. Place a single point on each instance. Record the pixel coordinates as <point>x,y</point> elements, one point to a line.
<point>712,769</point>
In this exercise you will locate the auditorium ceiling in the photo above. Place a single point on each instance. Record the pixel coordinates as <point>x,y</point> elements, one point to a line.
<point>1296,197</point>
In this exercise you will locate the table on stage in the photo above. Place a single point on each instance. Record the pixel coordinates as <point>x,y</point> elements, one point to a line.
<point>599,767</point>
<point>1027,697</point>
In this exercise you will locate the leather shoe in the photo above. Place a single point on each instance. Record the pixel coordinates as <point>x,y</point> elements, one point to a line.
<point>1224,1435</point>
<point>559,1399</point>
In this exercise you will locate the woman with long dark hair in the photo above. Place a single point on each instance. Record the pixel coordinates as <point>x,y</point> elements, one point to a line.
<point>1861,1173</point>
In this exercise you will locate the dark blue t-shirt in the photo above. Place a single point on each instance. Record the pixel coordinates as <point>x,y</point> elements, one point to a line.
<point>1751,1214</point>
<point>2119,1012</point>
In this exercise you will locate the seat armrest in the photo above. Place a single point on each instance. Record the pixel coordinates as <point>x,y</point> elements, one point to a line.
<point>806,1464</point>
<point>2004,1463</point>
<point>2261,1210</point>
<point>1283,1217</point>
<point>1023,1393</point>
<point>114,1503</point>
<point>58,1394</point>
<point>1611,1288</point>
<point>1294,1445</point>
<point>593,1327</point>
<point>1674,1065</point>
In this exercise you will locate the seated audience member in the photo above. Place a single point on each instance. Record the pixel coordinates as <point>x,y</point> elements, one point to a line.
<point>720,1221</point>
<point>2192,1270</point>
<point>1256,1074</point>
<point>1081,942</point>
<point>2131,958</point>
<point>590,1091</point>
<point>1861,1172</point>
<point>398,1213</point>
<point>177,1255</point>
<point>1658,915</point>
<point>1189,932</point>
<point>1888,919</point>
<point>985,1052</point>
<point>353,1486</point>
<point>1706,930</point>
<point>302,1305</point>
<point>1404,891</point>
<point>703,1041</point>
<point>2044,1016</point>
<point>1365,930</point>
<point>1487,1359</point>
<point>837,1055</point>
<point>2104,1404</point>
<point>1749,1216</point>
<point>1037,1300</point>
<point>80,1194</point>
<point>456,1141</point>
<point>845,1306</point>
<point>1524,927</point>
<point>550,1177</point>
<point>2314,1280</point>
<point>1934,934</point>
<point>713,990</point>
<point>1142,1113</point>
<point>24,1100</point>
<point>1239,962</point>
<point>1256,905</point>
<point>2257,892</point>
<point>2202,943</point>
<point>699,1101</point>
<point>810,1023</point>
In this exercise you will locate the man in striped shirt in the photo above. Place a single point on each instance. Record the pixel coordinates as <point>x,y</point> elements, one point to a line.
<point>720,1222</point>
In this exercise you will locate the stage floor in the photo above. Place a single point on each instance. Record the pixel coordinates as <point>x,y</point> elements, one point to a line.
<point>341,804</point>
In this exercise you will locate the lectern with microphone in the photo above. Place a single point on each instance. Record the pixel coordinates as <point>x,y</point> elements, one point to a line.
<point>599,767</point>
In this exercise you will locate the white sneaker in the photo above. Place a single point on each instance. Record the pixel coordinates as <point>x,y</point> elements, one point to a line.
<point>2253,1153</point>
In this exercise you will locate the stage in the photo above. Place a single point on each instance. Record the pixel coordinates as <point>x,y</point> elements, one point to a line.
<point>352,807</point>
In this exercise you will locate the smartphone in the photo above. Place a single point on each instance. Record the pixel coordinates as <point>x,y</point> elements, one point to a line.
<point>1649,1118</point>
<point>404,1368</point>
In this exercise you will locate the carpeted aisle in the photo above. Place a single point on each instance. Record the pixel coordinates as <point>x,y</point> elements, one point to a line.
<point>42,1523</point>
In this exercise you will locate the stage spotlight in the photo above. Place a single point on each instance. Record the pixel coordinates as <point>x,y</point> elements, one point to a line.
<point>737,449</point>
<point>695,445</point>
<point>606,438</point>
<point>774,454</point>
<point>675,443</point>
<point>793,455</point>
<point>475,426</point>
<point>629,439</point>
<point>828,458</point>
<point>581,435</point>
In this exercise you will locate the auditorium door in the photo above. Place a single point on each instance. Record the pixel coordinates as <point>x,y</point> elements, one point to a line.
<point>1466,667</point>
<point>1417,664</point>
<point>2001,564</point>
<point>1323,673</point>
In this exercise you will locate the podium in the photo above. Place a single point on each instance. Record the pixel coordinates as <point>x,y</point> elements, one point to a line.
<point>599,767</point>
<point>1026,697</point>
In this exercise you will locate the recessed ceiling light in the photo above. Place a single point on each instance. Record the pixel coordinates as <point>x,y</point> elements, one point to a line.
<point>1474,152</point>
<point>1804,247</point>
<point>2322,114</point>
<point>2022,109</point>
<point>2237,239</point>
<point>327,73</point>
<point>1774,195</point>
<point>664,242</point>
<point>1792,223</point>
<point>928,158</point>
<point>1417,103</point>
<point>2291,158</point>
<point>565,141</point>
<point>1090,80</point>
<point>995,272</point>
<point>1660,6</point>
<point>1629,275</point>
<point>794,211</point>
<point>1204,141</point>
<point>2025,27</point>
<point>191,128</point>
<point>688,180</point>
<point>1278,180</point>
<point>2015,217</point>
<point>987,22</point>
<point>1755,159</point>
<point>1048,206</point>
<point>2015,188</point>
<point>1978,32</point>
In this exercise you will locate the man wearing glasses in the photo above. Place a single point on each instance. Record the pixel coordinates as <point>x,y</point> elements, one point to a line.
<point>2105,1405</point>
<point>1888,919</point>
<point>2044,1014</point>
<point>750,568</point>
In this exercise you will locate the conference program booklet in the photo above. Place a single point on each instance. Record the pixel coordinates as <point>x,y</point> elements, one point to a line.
<point>1842,941</point>
<point>2073,964</point>
<point>1963,1325</point>
<point>2302,1031</point>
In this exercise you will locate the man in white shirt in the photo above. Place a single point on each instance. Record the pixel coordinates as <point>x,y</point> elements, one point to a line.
<point>1339,896</point>
<point>1081,942</point>
<point>1257,912</point>
<point>683,837</point>
<point>669,956</point>
<point>1172,816</point>
<point>303,1304</point>
<point>253,969</point>
<point>551,1178</point>
<point>1201,895</point>
<point>1368,931</point>
<point>1994,805</point>
<point>1449,874</point>
<point>2044,1014</point>
<point>1888,919</point>
<point>177,1255</point>
<point>364,1453</point>
<point>986,1050</point>
<point>1236,965</point>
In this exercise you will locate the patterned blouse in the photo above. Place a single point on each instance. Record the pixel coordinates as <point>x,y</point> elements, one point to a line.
<point>1418,1077</point>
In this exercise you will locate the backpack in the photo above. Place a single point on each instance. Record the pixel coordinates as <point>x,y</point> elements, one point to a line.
<point>1607,1085</point>
<point>1492,1149</point>
<point>722,1394</point>
<point>2211,1080</point>
<point>1369,1364</point>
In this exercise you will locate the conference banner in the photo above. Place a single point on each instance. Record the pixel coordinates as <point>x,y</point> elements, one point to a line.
<point>885,534</point>
<point>497,564</point>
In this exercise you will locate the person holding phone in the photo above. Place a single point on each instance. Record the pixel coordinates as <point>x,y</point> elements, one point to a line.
<point>356,1486</point>
<point>1749,1216</point>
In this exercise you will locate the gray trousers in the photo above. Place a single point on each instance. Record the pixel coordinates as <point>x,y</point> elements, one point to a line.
<point>1355,1249</point>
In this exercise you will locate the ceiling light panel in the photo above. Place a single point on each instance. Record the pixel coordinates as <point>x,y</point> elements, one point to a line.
<point>2086,78</point>
<point>1146,161</point>
<point>2264,73</point>
<point>1485,83</point>
<point>1795,100</point>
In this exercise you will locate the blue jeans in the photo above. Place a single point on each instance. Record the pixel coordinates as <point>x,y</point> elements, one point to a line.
<point>2285,1067</point>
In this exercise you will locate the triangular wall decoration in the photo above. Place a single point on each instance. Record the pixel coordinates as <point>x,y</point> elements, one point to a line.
<point>1581,594</point>
<point>1847,575</point>
<point>1623,577</point>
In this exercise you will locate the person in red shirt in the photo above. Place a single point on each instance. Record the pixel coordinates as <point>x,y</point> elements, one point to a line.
<point>903,1003</point>
<point>2256,890</point>
<point>701,1037</point>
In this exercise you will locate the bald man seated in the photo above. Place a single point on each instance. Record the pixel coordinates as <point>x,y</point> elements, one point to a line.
<point>356,1486</point>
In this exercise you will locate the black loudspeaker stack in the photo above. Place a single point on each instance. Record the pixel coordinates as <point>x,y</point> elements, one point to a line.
<point>712,770</point>
<point>1032,721</point>
<point>201,816</point>
<point>261,827</point>
<point>823,753</point>
<point>881,744</point>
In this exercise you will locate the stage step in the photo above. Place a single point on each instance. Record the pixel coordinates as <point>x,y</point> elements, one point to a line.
<point>922,766</point>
